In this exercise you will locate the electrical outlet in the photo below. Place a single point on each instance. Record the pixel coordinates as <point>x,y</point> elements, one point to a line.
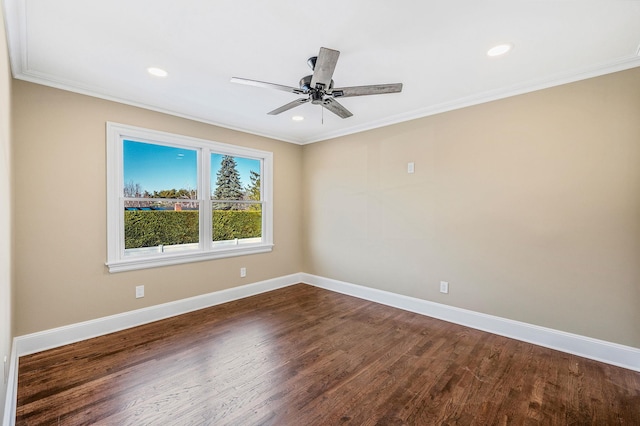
<point>139,291</point>
<point>243,272</point>
<point>411,168</point>
<point>444,287</point>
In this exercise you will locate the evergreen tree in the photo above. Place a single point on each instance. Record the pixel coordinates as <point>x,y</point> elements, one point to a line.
<point>253,189</point>
<point>228,186</point>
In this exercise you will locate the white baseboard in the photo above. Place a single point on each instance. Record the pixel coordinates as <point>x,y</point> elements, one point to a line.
<point>60,336</point>
<point>599,350</point>
<point>9,417</point>
<point>48,339</point>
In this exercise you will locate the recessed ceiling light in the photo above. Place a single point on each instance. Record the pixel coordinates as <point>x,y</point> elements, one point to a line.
<point>158,72</point>
<point>297,118</point>
<point>500,49</point>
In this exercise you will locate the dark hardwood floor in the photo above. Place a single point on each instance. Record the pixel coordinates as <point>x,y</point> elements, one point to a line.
<point>306,356</point>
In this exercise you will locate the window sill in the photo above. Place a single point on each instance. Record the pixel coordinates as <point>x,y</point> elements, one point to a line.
<point>177,259</point>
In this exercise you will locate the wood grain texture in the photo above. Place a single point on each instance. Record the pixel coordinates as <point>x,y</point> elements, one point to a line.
<point>307,356</point>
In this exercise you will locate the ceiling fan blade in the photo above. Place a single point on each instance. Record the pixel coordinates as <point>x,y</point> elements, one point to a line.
<point>376,89</point>
<point>257,83</point>
<point>324,68</point>
<point>336,108</point>
<point>289,106</point>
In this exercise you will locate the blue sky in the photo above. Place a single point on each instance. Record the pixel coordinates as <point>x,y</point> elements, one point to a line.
<point>158,167</point>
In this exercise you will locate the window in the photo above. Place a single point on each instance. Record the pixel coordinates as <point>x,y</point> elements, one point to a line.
<point>175,199</point>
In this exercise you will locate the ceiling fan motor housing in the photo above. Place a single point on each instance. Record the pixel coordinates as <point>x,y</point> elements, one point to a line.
<point>316,96</point>
<point>305,85</point>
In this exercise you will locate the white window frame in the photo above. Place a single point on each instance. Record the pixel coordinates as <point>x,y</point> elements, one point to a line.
<point>206,249</point>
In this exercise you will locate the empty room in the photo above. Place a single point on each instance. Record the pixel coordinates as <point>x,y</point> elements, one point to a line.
<point>286,213</point>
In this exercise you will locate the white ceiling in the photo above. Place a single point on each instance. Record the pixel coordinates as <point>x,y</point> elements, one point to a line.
<point>437,49</point>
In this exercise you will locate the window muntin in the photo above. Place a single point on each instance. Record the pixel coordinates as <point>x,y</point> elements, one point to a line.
<point>236,200</point>
<point>158,204</point>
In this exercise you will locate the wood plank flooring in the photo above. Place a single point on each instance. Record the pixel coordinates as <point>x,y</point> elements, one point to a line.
<point>306,356</point>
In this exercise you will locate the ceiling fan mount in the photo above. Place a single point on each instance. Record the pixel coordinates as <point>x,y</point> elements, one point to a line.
<point>318,87</point>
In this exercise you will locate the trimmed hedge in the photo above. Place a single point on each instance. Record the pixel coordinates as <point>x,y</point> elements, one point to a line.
<point>155,227</point>
<point>232,224</point>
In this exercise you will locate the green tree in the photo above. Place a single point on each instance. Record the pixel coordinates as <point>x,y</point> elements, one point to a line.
<point>253,189</point>
<point>228,186</point>
<point>186,194</point>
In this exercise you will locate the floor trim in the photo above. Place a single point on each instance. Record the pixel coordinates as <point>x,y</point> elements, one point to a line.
<point>47,339</point>
<point>11,395</point>
<point>599,350</point>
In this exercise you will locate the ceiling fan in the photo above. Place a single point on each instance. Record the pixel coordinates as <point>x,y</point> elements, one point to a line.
<point>318,87</point>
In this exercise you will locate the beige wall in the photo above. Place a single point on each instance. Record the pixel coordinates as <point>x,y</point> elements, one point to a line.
<point>529,207</point>
<point>5,210</point>
<point>60,213</point>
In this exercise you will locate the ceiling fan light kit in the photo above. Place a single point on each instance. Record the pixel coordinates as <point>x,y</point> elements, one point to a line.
<point>318,87</point>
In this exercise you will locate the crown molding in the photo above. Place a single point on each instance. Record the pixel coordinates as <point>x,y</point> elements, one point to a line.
<point>622,64</point>
<point>16,25</point>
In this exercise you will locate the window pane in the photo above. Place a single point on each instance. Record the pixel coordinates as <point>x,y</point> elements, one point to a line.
<point>235,178</point>
<point>159,171</point>
<point>160,226</point>
<point>237,226</point>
